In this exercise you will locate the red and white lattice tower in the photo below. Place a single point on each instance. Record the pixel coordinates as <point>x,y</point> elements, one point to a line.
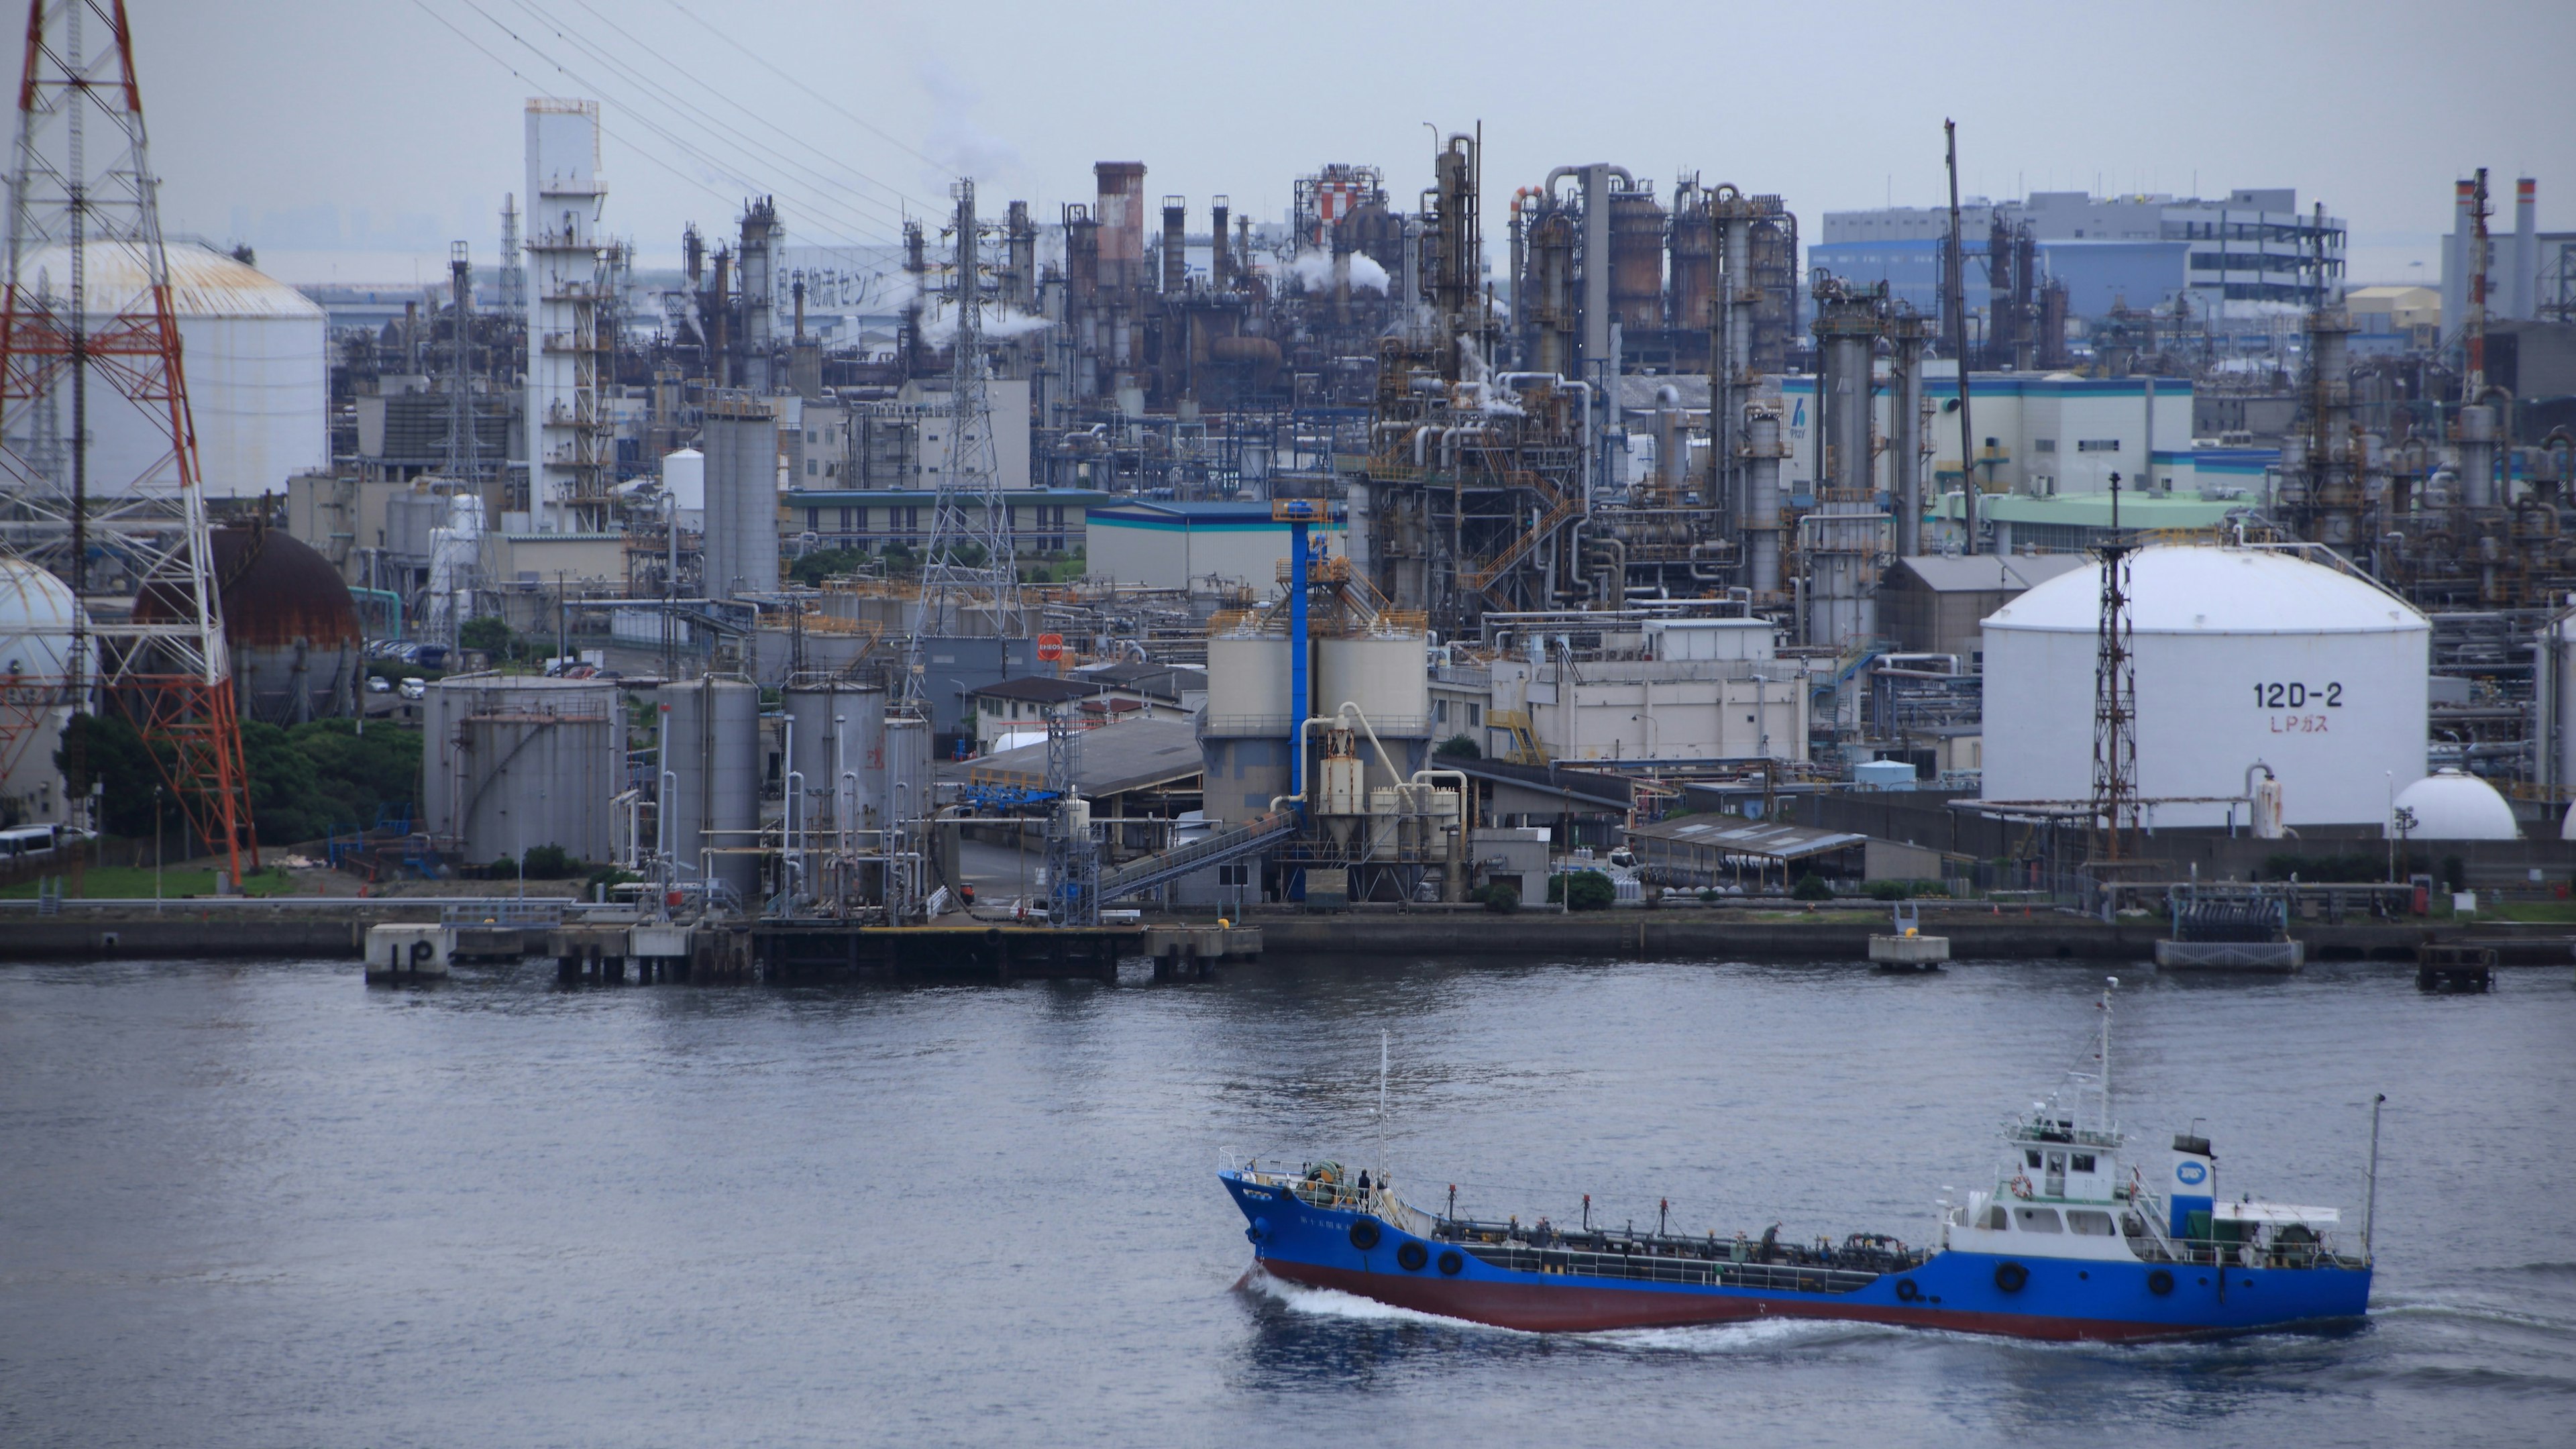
<point>87,314</point>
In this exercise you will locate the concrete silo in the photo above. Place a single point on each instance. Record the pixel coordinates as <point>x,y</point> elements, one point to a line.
<point>2243,656</point>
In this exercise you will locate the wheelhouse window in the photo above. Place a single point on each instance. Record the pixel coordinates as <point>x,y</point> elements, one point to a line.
<point>2031,1157</point>
<point>2083,1162</point>
<point>2037,1220</point>
<point>2088,1222</point>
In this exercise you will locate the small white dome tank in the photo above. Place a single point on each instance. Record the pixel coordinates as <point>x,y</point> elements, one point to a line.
<point>2449,805</point>
<point>2244,656</point>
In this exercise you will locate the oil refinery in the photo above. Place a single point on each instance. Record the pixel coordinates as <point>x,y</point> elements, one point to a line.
<point>1208,562</point>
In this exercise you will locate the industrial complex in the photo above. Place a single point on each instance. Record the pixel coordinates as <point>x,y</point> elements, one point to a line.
<point>1445,536</point>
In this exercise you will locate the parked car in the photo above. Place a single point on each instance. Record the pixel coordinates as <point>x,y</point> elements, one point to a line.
<point>378,684</point>
<point>415,687</point>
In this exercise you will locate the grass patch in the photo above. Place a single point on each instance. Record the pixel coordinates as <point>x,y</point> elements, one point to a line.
<point>128,882</point>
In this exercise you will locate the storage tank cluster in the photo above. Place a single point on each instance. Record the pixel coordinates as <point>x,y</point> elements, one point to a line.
<point>513,761</point>
<point>1246,732</point>
<point>2245,657</point>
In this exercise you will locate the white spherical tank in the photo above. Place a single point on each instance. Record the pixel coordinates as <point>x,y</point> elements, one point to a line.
<point>1248,690</point>
<point>1387,675</point>
<point>37,613</point>
<point>2450,805</point>
<point>2243,656</point>
<point>256,359</point>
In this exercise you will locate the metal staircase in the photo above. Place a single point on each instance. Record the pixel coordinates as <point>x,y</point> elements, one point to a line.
<point>1256,834</point>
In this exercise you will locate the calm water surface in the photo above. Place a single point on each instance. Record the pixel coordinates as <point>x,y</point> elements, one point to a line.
<point>264,1205</point>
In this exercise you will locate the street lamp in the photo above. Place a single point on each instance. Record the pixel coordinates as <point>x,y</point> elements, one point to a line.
<point>156,849</point>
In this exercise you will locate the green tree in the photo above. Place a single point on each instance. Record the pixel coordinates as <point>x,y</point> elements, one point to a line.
<point>357,775</point>
<point>1811,887</point>
<point>105,749</point>
<point>824,563</point>
<point>1459,746</point>
<point>1581,890</point>
<point>285,790</point>
<point>490,633</point>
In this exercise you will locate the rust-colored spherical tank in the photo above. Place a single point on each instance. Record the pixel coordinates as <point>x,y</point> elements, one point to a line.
<point>289,624</point>
<point>1636,260</point>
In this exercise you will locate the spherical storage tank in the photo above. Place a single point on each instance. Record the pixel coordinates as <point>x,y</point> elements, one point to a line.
<point>254,353</point>
<point>2243,656</point>
<point>2450,805</point>
<point>289,624</point>
<point>37,613</point>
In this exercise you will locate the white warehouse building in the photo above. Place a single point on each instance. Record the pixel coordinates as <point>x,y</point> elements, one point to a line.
<point>2245,657</point>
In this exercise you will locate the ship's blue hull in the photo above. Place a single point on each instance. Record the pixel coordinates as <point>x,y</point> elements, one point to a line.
<point>2054,1298</point>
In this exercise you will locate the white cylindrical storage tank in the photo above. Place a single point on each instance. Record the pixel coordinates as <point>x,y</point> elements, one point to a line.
<point>514,761</point>
<point>711,781</point>
<point>2243,657</point>
<point>2450,805</point>
<point>257,364</point>
<point>1248,693</point>
<point>684,477</point>
<point>741,544</point>
<point>1387,675</point>
<point>37,615</point>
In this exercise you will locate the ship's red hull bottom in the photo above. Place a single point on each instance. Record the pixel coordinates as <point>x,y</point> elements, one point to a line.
<point>1571,1309</point>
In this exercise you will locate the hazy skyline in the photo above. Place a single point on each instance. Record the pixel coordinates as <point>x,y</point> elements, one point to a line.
<point>349,140</point>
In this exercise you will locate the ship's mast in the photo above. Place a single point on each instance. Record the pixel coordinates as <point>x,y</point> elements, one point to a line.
<point>2105,1077</point>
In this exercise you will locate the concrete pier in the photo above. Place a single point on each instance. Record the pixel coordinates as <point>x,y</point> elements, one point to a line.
<point>406,953</point>
<point>978,951</point>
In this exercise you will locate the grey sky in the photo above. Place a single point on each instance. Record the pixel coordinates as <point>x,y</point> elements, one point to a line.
<point>349,136</point>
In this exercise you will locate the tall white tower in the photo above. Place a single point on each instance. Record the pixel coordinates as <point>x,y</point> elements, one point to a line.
<point>567,288</point>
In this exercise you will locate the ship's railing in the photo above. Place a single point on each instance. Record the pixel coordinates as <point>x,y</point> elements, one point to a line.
<point>1328,1184</point>
<point>1713,1270</point>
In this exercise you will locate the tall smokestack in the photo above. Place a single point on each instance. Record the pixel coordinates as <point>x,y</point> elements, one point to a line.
<point>1220,254</point>
<point>2455,260</point>
<point>2521,285</point>
<point>1176,223</point>
<point>1121,214</point>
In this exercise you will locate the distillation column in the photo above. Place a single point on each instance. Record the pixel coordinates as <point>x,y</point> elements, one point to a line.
<point>1840,539</point>
<point>1905,432</point>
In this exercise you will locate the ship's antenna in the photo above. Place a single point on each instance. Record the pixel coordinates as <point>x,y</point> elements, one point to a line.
<point>2106,1050</point>
<point>1381,1109</point>
<point>2370,1197</point>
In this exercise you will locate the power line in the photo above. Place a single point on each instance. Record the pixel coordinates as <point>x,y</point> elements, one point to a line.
<point>890,188</point>
<point>688,110</point>
<point>669,137</point>
<point>604,125</point>
<point>772,67</point>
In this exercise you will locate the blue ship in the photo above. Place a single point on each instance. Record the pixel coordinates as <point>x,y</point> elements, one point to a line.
<point>2072,1242</point>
